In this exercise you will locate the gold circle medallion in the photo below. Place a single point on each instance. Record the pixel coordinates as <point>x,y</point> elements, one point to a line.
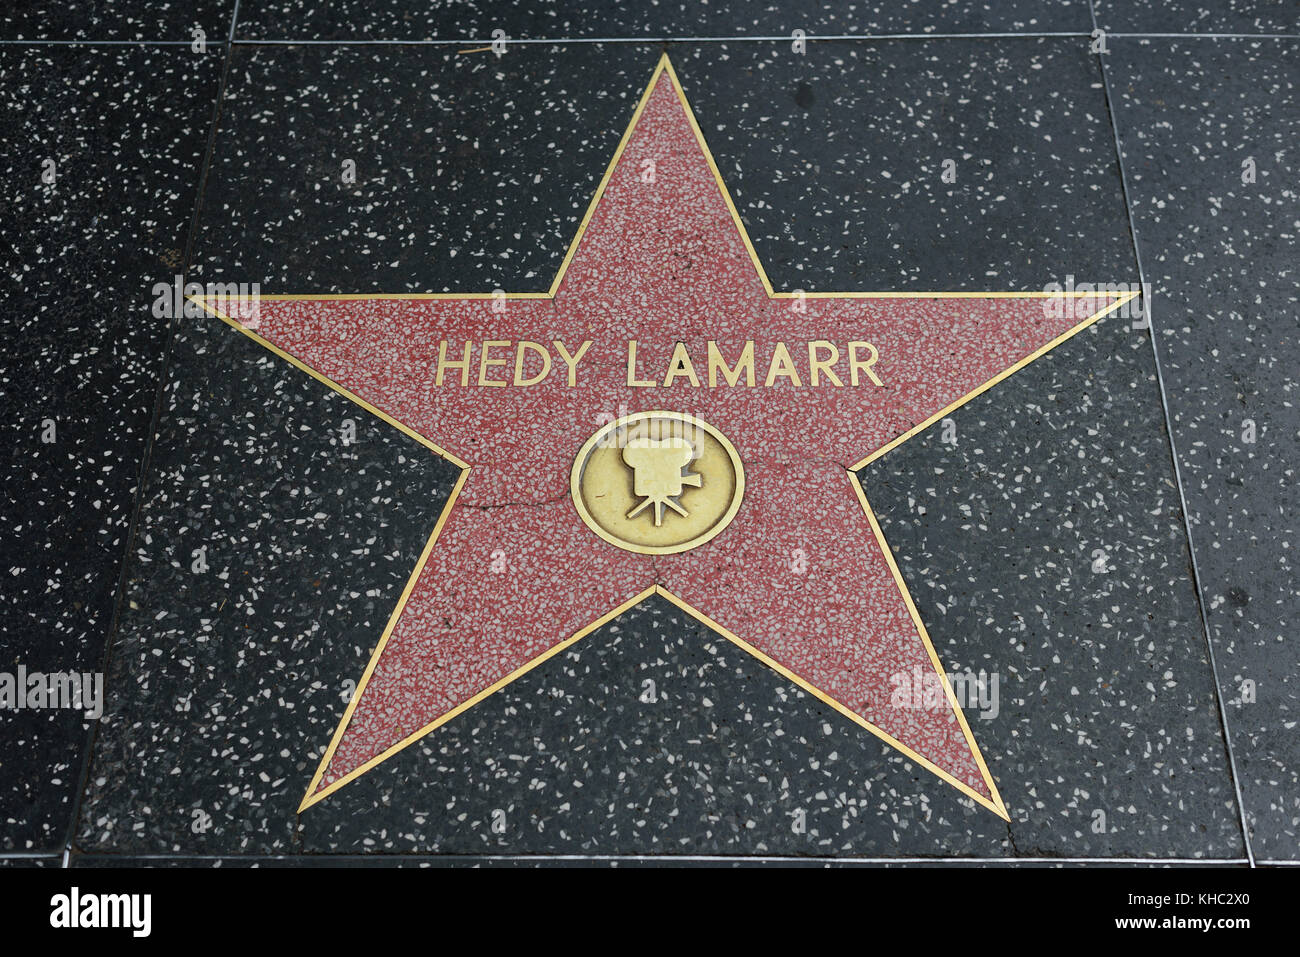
<point>657,482</point>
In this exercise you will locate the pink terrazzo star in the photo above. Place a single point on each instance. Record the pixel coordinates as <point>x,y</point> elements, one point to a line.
<point>802,577</point>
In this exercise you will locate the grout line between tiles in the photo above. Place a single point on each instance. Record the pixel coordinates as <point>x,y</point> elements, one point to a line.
<point>232,39</point>
<point>1178,475</point>
<point>664,858</point>
<point>142,478</point>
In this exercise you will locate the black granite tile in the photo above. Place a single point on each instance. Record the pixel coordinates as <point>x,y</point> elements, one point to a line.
<point>118,20</point>
<point>224,676</point>
<point>1043,541</point>
<point>729,758</point>
<point>122,131</point>
<point>1221,255</point>
<point>469,175</point>
<point>561,19</point>
<point>1199,16</point>
<point>835,159</point>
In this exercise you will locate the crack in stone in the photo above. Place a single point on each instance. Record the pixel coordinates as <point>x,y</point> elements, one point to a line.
<point>545,503</point>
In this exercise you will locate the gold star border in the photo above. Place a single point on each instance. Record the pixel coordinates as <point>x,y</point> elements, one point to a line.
<point>996,805</point>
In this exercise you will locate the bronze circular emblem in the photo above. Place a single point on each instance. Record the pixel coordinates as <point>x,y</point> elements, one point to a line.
<point>657,482</point>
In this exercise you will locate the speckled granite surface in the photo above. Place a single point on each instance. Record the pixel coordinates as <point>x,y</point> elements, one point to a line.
<point>557,19</point>
<point>1024,121</point>
<point>1250,17</point>
<point>1041,534</point>
<point>123,131</point>
<point>118,20</point>
<point>1199,120</point>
